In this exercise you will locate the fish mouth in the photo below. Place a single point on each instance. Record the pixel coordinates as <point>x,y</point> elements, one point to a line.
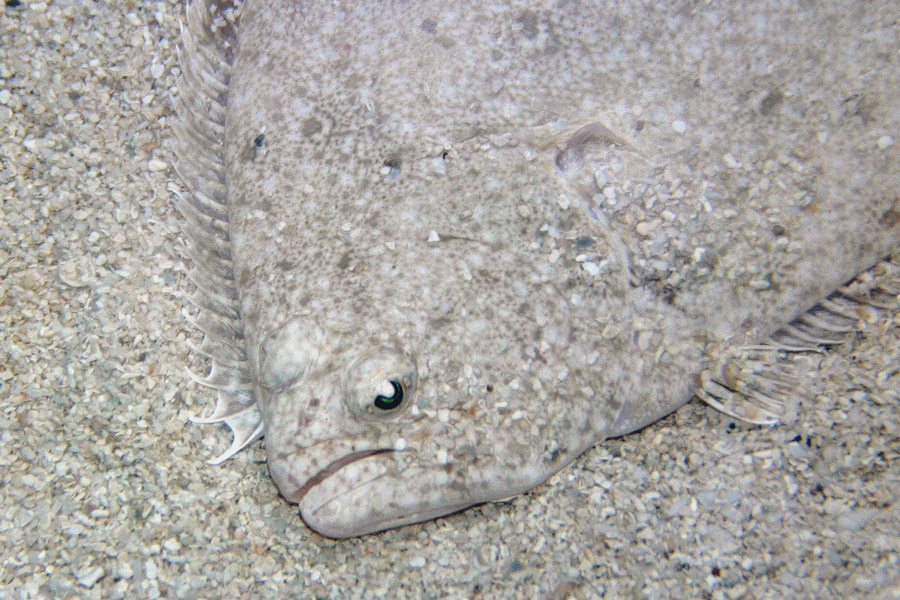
<point>333,468</point>
<point>364,493</point>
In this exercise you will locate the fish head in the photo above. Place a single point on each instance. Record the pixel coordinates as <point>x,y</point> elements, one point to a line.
<point>462,383</point>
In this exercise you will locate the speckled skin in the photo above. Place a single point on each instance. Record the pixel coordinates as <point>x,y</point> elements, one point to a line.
<point>545,249</point>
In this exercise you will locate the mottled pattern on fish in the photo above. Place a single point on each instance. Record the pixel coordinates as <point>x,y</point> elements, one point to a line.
<point>441,249</point>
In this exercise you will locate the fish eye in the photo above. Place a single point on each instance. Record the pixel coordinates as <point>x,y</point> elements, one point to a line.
<point>381,385</point>
<point>392,402</point>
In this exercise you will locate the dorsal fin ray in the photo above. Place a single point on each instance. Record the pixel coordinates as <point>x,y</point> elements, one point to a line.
<point>205,60</point>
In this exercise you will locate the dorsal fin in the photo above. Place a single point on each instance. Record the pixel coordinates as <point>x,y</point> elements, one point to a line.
<point>205,58</point>
<point>752,383</point>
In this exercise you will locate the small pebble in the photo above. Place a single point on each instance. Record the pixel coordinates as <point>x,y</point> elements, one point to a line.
<point>592,268</point>
<point>157,165</point>
<point>645,228</point>
<point>91,576</point>
<point>417,562</point>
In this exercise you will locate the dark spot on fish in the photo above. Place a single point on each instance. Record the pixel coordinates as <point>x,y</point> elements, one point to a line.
<point>393,163</point>
<point>303,421</point>
<point>778,230</point>
<point>486,275</point>
<point>241,276</point>
<point>458,486</point>
<point>489,388</point>
<point>314,403</point>
<point>344,261</point>
<point>584,242</point>
<point>429,26</point>
<point>311,126</point>
<point>891,217</point>
<point>669,293</point>
<point>248,153</point>
<point>445,42</point>
<point>715,572</point>
<point>639,125</point>
<point>444,155</point>
<point>440,323</point>
<point>860,106</point>
<point>771,101</point>
<point>528,20</point>
<point>253,149</point>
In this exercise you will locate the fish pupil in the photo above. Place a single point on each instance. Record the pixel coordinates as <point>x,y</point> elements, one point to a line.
<point>390,402</point>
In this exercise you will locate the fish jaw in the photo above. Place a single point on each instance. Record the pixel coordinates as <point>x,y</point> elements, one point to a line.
<point>344,491</point>
<point>363,497</point>
<point>352,485</point>
<point>373,494</point>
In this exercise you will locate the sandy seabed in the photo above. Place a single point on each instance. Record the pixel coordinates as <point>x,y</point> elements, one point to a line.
<point>105,493</point>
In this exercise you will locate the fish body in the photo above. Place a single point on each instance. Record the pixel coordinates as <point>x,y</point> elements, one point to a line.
<point>442,248</point>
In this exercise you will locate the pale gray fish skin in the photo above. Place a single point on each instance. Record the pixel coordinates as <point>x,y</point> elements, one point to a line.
<point>543,220</point>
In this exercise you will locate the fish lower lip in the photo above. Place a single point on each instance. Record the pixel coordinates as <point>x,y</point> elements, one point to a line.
<point>333,468</point>
<point>372,495</point>
<point>347,502</point>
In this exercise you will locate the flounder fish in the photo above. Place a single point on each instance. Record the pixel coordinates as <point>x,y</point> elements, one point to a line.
<point>440,249</point>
